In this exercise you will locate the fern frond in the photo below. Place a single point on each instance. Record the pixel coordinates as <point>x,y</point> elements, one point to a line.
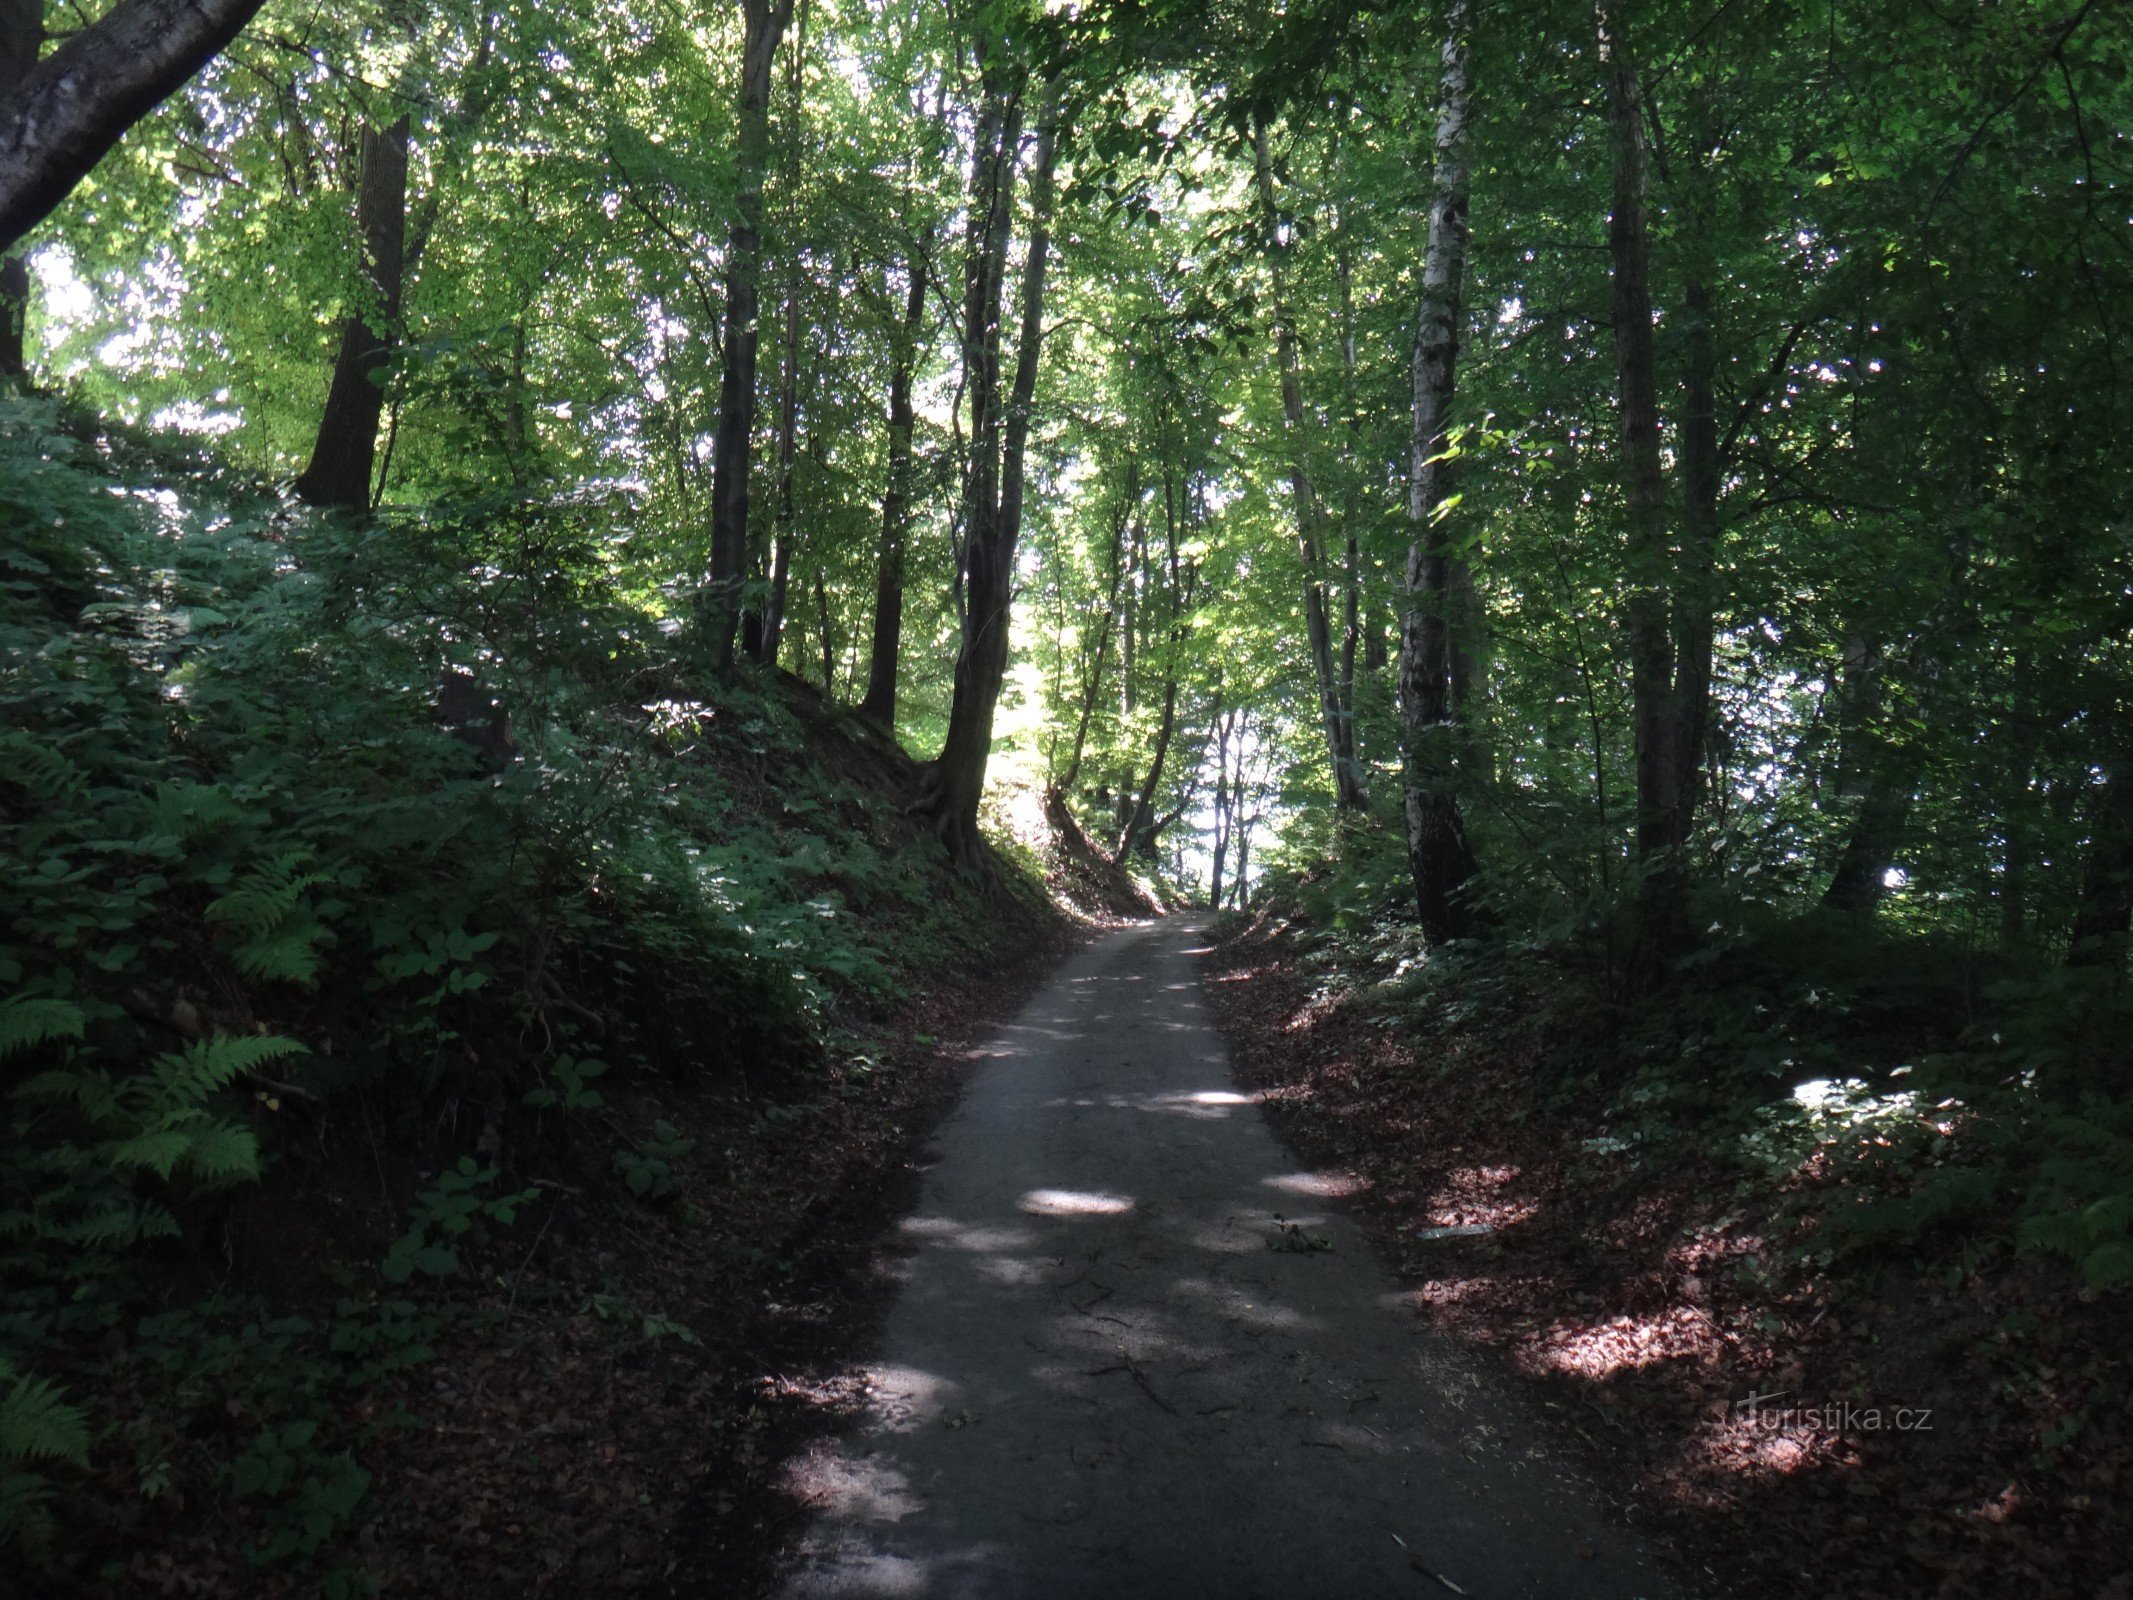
<point>33,765</point>
<point>37,1424</point>
<point>220,1154</point>
<point>213,1064</point>
<point>30,1020</point>
<point>24,1519</point>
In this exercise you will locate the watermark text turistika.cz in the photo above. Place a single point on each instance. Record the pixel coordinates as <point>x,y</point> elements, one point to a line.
<point>1779,1412</point>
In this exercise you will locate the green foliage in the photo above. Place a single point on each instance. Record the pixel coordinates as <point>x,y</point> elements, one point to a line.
<point>443,1214</point>
<point>569,1087</point>
<point>38,1429</point>
<point>648,1169</point>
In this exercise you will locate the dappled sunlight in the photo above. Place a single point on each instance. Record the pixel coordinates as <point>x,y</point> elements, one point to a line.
<point>1601,1349</point>
<point>1745,1442</point>
<point>963,1236</point>
<point>1012,1272</point>
<point>1073,1203</point>
<point>1206,1104</point>
<point>1318,1185</point>
<point>833,1482</point>
<point>1477,1197</point>
<point>901,1398</point>
<point>1235,1304</point>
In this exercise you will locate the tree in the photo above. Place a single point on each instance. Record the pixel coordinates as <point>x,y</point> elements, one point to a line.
<point>998,434</point>
<point>1430,691</point>
<point>59,121</point>
<point>346,452</point>
<point>763,25</point>
<point>21,37</point>
<point>1348,789</point>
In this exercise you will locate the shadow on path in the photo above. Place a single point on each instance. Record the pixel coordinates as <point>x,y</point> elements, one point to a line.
<point>1138,1354</point>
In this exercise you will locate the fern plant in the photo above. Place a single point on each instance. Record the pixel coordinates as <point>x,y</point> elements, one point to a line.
<point>277,933</point>
<point>38,1429</point>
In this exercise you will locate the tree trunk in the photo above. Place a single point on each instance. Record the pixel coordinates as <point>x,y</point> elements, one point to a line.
<point>63,118</point>
<point>763,24</point>
<point>1439,854</point>
<point>1225,730</point>
<point>1348,790</point>
<point>1093,687</point>
<point>2105,912</point>
<point>1870,849</point>
<point>346,449</point>
<point>1352,569</point>
<point>1139,818</point>
<point>21,37</point>
<point>788,458</point>
<point>880,701</point>
<point>999,434</point>
<point>1662,816</point>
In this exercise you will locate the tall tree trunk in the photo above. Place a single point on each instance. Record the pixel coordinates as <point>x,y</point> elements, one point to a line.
<point>880,701</point>
<point>763,24</point>
<point>21,37</point>
<point>999,436</point>
<point>1439,854</point>
<point>783,526</point>
<point>788,458</point>
<point>79,101</point>
<point>1352,569</point>
<point>1225,730</point>
<point>1662,816</point>
<point>1348,790</point>
<point>346,450</point>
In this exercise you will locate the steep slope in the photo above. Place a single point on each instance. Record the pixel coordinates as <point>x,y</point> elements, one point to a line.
<point>449,1037</point>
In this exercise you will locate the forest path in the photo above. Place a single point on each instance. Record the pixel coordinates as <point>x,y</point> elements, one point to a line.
<point>1138,1353</point>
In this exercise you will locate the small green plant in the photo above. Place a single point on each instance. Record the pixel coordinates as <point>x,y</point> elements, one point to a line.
<point>570,1089</point>
<point>2097,1238</point>
<point>649,1169</point>
<point>444,1213</point>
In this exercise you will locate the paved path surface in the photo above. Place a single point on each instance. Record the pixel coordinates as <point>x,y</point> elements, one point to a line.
<point>1101,1380</point>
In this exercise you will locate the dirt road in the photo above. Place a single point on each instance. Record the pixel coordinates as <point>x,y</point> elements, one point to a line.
<point>1139,1354</point>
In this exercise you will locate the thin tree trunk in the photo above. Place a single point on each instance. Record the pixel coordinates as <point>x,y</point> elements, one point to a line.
<point>1142,812</point>
<point>783,526</point>
<point>1661,927</point>
<point>1094,688</point>
<point>1348,791</point>
<point>345,453</point>
<point>788,457</point>
<point>763,25</point>
<point>999,436</point>
<point>1224,729</point>
<point>1352,570</point>
<point>829,637</point>
<point>1439,854</point>
<point>79,101</point>
<point>21,38</point>
<point>880,701</point>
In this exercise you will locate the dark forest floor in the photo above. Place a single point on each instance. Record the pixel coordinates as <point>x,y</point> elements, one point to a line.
<point>606,1403</point>
<point>1918,1427</point>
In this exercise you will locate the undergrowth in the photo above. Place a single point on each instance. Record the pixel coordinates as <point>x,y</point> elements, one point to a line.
<point>293,810</point>
<point>1891,1094</point>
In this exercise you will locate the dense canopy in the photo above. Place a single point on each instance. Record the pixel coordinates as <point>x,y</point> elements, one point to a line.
<point>1617,476</point>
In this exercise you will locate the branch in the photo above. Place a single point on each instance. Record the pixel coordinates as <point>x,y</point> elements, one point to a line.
<point>65,116</point>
